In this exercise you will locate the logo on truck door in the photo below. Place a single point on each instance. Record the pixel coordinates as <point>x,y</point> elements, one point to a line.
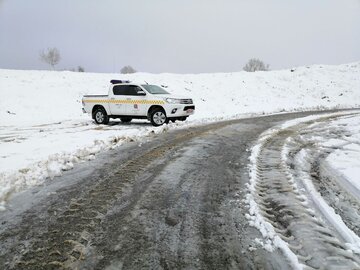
<point>136,106</point>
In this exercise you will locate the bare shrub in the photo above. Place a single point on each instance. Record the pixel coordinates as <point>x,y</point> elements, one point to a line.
<point>50,56</point>
<point>127,70</point>
<point>255,64</point>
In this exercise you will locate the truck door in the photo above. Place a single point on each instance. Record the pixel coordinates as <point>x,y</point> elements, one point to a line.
<point>117,100</point>
<point>137,99</point>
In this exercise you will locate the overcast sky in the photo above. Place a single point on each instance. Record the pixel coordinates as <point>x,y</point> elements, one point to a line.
<point>182,36</point>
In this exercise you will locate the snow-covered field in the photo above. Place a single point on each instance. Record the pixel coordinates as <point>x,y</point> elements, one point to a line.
<point>43,131</point>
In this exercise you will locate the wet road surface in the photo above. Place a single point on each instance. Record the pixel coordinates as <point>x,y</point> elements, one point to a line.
<point>173,201</point>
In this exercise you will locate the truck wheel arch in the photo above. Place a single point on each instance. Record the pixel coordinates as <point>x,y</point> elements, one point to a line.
<point>100,115</point>
<point>95,108</point>
<point>153,107</point>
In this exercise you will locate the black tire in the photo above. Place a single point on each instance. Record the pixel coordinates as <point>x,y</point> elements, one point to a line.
<point>183,118</point>
<point>158,117</point>
<point>100,116</point>
<point>126,120</point>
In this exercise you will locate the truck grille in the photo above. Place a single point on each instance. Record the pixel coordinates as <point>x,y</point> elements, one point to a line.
<point>189,108</point>
<point>186,101</point>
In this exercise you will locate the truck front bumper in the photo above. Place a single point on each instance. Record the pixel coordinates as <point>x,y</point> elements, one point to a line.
<point>179,110</point>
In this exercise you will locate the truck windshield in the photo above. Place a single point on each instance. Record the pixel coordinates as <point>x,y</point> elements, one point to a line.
<point>154,89</point>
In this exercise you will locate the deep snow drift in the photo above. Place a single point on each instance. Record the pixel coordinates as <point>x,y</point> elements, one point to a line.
<point>43,131</point>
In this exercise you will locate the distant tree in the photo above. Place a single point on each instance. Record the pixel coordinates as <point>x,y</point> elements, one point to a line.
<point>50,56</point>
<point>80,69</point>
<point>127,70</point>
<point>255,64</point>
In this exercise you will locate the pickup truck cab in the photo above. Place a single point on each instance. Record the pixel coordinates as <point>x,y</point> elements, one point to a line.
<point>128,101</point>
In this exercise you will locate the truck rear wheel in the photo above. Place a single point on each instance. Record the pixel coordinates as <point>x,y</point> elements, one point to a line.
<point>101,117</point>
<point>158,117</point>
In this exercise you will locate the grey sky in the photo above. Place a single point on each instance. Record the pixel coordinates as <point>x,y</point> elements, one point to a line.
<point>184,36</point>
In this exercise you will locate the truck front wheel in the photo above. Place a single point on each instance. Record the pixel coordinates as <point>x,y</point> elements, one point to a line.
<point>101,117</point>
<point>158,117</point>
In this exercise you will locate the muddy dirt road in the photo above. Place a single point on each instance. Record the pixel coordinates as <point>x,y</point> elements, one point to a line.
<point>173,201</point>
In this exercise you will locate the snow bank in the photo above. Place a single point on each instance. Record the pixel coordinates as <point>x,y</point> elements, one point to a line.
<point>44,132</point>
<point>345,160</point>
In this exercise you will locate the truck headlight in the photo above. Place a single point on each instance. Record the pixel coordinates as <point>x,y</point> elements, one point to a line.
<point>172,100</point>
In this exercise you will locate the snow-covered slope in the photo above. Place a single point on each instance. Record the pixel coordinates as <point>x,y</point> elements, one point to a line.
<point>37,97</point>
<point>43,131</point>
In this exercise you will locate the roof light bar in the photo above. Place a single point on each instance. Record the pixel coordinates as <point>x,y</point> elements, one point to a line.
<point>119,81</point>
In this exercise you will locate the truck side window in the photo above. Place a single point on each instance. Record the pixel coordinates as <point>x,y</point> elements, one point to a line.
<point>120,90</point>
<point>133,90</point>
<point>126,90</point>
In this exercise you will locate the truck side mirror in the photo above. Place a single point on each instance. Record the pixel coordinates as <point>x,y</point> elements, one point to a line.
<point>141,93</point>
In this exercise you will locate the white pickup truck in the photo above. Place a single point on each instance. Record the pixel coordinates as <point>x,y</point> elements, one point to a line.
<point>129,101</point>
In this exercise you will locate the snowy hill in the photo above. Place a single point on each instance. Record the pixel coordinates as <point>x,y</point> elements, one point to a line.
<point>43,131</point>
<point>37,97</point>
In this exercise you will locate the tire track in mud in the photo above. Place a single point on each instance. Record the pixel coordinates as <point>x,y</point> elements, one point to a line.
<point>348,208</point>
<point>312,165</point>
<point>281,203</point>
<point>65,242</point>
